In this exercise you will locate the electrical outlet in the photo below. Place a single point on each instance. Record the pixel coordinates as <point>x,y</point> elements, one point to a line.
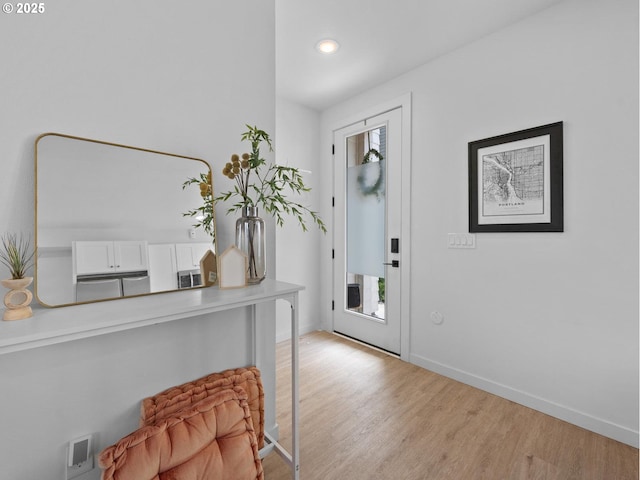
<point>437,318</point>
<point>192,233</point>
<point>79,457</point>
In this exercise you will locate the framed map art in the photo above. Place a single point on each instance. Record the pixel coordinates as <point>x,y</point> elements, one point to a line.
<point>515,182</point>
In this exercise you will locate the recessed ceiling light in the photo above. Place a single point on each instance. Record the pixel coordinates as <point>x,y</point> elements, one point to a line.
<point>327,46</point>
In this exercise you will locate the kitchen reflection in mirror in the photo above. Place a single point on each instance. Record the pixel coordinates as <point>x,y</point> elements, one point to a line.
<point>110,221</point>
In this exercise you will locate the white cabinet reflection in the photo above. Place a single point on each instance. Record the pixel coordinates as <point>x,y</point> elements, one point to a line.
<point>105,269</point>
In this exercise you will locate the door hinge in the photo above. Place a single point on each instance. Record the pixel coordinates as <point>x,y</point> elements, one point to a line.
<point>333,149</point>
<point>333,253</point>
<point>333,305</point>
<point>333,201</point>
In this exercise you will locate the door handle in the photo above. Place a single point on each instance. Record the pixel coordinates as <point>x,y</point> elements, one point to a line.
<point>394,263</point>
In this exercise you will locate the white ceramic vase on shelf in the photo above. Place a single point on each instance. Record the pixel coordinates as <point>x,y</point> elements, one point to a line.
<point>17,299</point>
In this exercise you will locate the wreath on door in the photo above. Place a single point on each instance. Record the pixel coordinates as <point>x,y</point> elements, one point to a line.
<point>370,183</point>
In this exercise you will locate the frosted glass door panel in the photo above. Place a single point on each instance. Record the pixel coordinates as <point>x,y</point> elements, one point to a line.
<point>365,221</point>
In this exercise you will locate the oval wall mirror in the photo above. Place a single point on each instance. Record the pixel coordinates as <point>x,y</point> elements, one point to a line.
<point>110,221</point>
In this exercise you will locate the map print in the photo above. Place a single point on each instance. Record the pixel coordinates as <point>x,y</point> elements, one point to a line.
<point>513,182</point>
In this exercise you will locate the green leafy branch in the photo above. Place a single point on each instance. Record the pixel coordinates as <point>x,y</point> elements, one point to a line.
<point>204,213</point>
<point>372,152</point>
<point>271,187</point>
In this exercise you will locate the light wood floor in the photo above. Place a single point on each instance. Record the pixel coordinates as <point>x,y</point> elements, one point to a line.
<point>367,415</point>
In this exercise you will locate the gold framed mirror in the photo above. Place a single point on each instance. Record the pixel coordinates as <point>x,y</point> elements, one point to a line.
<point>110,221</point>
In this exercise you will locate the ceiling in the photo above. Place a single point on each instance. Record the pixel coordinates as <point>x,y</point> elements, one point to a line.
<point>379,40</point>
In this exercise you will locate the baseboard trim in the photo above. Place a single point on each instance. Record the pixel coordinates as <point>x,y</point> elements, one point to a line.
<point>575,417</point>
<point>302,330</point>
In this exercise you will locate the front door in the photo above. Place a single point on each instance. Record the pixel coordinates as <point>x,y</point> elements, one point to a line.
<point>367,230</point>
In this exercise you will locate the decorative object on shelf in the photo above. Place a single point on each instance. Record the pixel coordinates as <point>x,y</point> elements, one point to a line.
<point>17,299</point>
<point>209,268</point>
<point>269,188</point>
<point>250,238</point>
<point>232,268</point>
<point>147,204</point>
<point>515,182</point>
<point>17,255</point>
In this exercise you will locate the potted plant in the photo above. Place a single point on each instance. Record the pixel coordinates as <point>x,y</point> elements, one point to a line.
<point>258,184</point>
<point>17,255</point>
<point>271,185</point>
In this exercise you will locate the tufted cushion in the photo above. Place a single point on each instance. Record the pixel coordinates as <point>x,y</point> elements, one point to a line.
<point>173,399</point>
<point>209,440</point>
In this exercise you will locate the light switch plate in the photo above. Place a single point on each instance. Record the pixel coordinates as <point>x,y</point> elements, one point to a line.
<point>461,240</point>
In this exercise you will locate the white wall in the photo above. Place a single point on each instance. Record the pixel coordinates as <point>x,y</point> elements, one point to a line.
<point>298,253</point>
<point>549,320</point>
<point>173,77</point>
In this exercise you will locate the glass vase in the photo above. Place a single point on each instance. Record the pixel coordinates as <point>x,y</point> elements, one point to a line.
<point>250,238</point>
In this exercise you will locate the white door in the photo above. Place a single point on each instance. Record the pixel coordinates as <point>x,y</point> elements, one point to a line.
<point>367,230</point>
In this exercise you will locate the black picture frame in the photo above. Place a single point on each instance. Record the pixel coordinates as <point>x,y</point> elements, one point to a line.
<point>515,181</point>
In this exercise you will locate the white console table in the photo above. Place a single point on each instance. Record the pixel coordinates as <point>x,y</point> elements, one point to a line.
<point>50,326</point>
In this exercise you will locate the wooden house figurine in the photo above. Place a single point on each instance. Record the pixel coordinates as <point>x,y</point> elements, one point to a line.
<point>209,269</point>
<point>232,268</point>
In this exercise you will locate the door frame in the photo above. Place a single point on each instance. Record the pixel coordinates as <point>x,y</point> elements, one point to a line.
<point>403,102</point>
